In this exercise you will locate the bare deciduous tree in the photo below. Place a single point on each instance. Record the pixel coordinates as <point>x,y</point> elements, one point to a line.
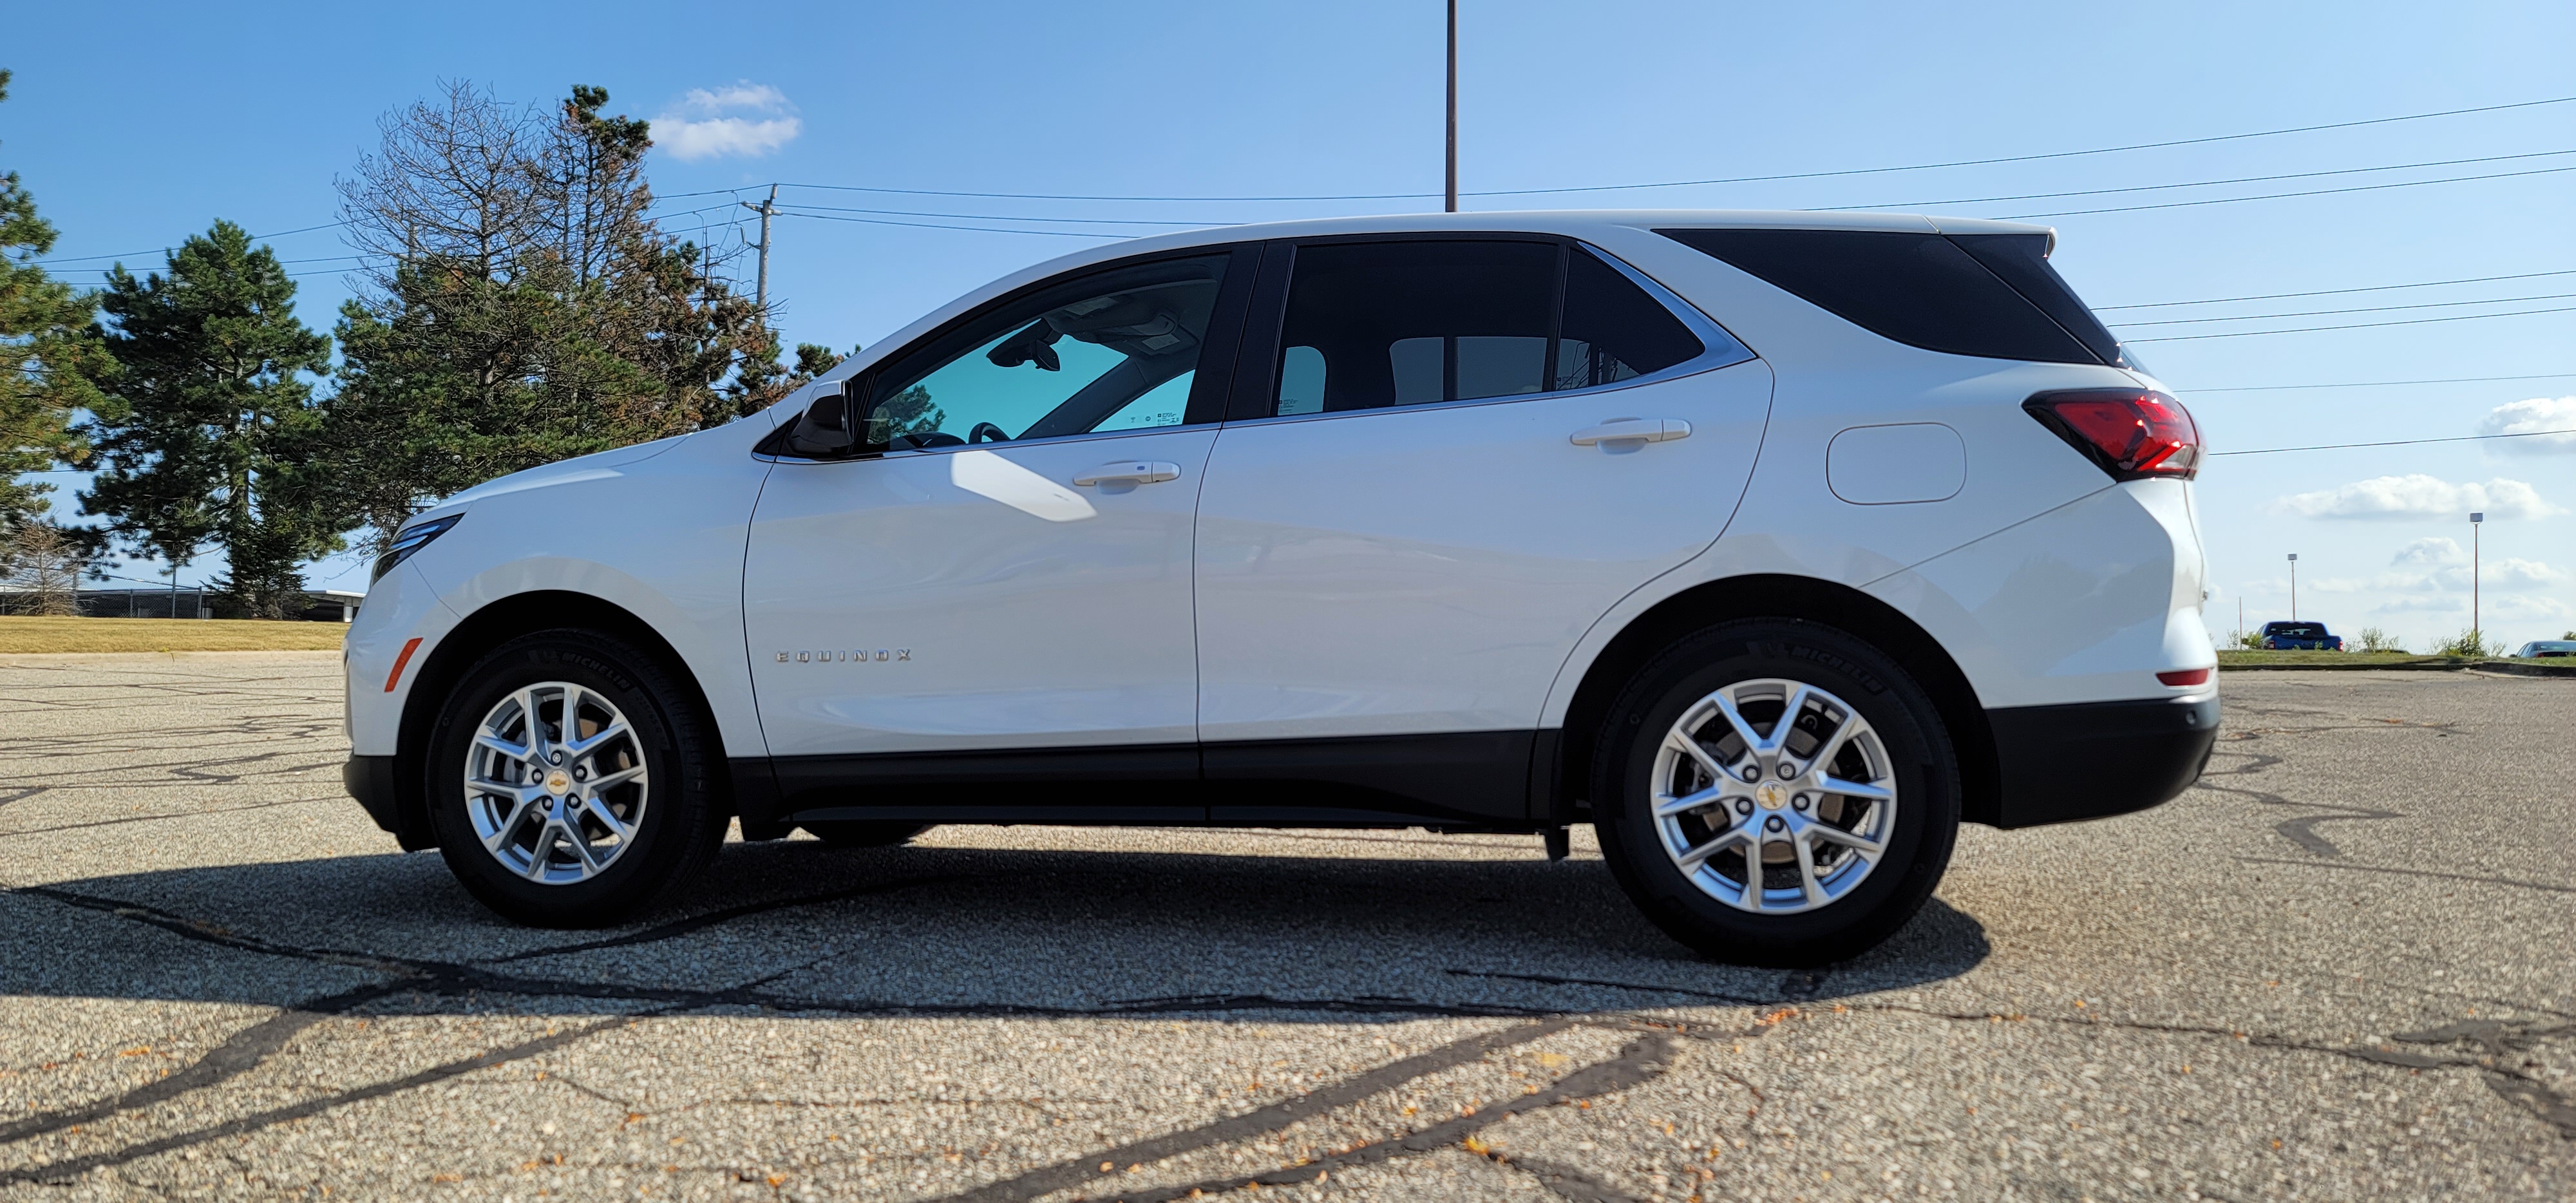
<point>456,179</point>
<point>523,305</point>
<point>40,568</point>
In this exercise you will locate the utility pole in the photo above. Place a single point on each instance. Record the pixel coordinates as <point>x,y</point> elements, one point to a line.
<point>1452,206</point>
<point>767,209</point>
<point>2294,586</point>
<point>2476,522</point>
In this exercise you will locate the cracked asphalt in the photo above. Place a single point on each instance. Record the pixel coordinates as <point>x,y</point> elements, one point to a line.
<point>2339,969</point>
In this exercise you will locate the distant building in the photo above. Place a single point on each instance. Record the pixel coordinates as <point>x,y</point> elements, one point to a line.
<point>320,605</point>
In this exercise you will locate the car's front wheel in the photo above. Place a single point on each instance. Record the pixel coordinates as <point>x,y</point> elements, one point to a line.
<point>1775,792</point>
<point>571,782</point>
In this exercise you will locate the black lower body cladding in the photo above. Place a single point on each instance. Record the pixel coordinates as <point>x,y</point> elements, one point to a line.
<point>2091,760</point>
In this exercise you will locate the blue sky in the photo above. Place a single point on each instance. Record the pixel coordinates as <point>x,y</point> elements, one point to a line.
<point>136,125</point>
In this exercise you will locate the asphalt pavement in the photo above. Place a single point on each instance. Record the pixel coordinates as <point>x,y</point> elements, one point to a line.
<point>2344,967</point>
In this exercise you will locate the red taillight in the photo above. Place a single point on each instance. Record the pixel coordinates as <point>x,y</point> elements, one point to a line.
<point>2185,676</point>
<point>2133,434</point>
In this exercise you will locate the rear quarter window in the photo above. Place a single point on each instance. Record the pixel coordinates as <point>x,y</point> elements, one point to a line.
<point>1920,289</point>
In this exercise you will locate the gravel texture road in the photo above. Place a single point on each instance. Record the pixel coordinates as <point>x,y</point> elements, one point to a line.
<point>2344,967</point>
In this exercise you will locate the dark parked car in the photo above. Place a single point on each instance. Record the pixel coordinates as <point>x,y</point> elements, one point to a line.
<point>2540,649</point>
<point>2300,637</point>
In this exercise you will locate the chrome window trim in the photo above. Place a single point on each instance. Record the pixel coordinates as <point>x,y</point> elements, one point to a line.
<point>873,456</point>
<point>1676,372</point>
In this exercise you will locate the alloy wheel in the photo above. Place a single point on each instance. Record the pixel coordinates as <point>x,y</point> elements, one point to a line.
<point>555,783</point>
<point>1774,796</point>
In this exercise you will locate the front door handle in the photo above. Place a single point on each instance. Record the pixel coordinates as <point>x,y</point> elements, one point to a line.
<point>1130,472</point>
<point>1633,430</point>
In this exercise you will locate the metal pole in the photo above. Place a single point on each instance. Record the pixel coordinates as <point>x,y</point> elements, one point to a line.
<point>2294,586</point>
<point>766,209</point>
<point>2476,524</point>
<point>1452,205</point>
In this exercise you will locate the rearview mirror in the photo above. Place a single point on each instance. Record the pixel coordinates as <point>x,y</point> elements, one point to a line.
<point>824,430</point>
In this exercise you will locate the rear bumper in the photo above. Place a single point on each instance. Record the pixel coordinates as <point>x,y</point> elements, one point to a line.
<point>2091,760</point>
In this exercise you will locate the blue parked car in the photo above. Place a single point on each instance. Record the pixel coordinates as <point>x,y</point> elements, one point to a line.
<point>2300,637</point>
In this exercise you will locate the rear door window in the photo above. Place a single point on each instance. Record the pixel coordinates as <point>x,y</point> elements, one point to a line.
<point>1369,325</point>
<point>1920,289</point>
<point>1613,330</point>
<point>1376,324</point>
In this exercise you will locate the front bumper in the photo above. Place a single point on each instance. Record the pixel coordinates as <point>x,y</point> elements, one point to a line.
<point>2091,760</point>
<point>372,780</point>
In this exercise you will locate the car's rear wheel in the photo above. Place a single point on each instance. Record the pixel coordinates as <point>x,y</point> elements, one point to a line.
<point>860,833</point>
<point>1775,792</point>
<point>571,781</point>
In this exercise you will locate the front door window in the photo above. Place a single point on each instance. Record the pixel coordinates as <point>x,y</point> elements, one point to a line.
<point>1108,352</point>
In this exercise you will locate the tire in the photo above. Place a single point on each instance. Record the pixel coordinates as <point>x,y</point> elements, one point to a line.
<point>1851,899</point>
<point>555,858</point>
<point>860,833</point>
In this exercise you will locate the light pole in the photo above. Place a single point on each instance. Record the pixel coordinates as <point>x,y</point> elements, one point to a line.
<point>2294,586</point>
<point>1452,205</point>
<point>2476,521</point>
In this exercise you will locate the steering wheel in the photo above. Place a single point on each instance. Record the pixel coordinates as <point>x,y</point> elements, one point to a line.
<point>977,435</point>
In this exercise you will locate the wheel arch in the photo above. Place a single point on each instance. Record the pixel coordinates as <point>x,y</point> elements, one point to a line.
<point>497,623</point>
<point>1772,596</point>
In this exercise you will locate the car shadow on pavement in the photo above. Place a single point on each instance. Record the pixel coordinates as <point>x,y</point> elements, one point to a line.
<point>800,928</point>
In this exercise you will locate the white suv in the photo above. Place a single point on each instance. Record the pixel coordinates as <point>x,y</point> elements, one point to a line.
<point>1774,546</point>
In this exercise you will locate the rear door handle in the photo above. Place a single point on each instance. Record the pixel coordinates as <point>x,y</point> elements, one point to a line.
<point>1130,472</point>
<point>1633,430</point>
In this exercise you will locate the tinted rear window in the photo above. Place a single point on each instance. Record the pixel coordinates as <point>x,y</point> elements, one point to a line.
<point>1374,324</point>
<point>2021,260</point>
<point>1923,290</point>
<point>1613,330</point>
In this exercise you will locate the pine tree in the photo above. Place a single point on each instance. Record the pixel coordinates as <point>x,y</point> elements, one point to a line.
<point>528,310</point>
<point>50,357</point>
<point>204,423</point>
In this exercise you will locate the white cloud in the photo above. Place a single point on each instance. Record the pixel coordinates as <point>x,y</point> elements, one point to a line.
<point>2439,603</point>
<point>2434,551</point>
<point>2418,496</point>
<point>2521,574</point>
<point>2538,413</point>
<point>2524,607</point>
<point>2509,607</point>
<point>2441,565</point>
<point>744,118</point>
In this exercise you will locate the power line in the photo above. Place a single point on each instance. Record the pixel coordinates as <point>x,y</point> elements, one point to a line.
<point>2269,388</point>
<point>163,249</point>
<point>1744,179</point>
<point>817,211</point>
<point>2256,317</point>
<point>2248,179</point>
<point>877,221</point>
<point>2229,200</point>
<point>2464,438</point>
<point>2252,179</point>
<point>1089,221</point>
<point>2421,321</point>
<point>2327,292</point>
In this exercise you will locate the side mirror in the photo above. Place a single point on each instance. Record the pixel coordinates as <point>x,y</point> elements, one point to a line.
<point>825,430</point>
